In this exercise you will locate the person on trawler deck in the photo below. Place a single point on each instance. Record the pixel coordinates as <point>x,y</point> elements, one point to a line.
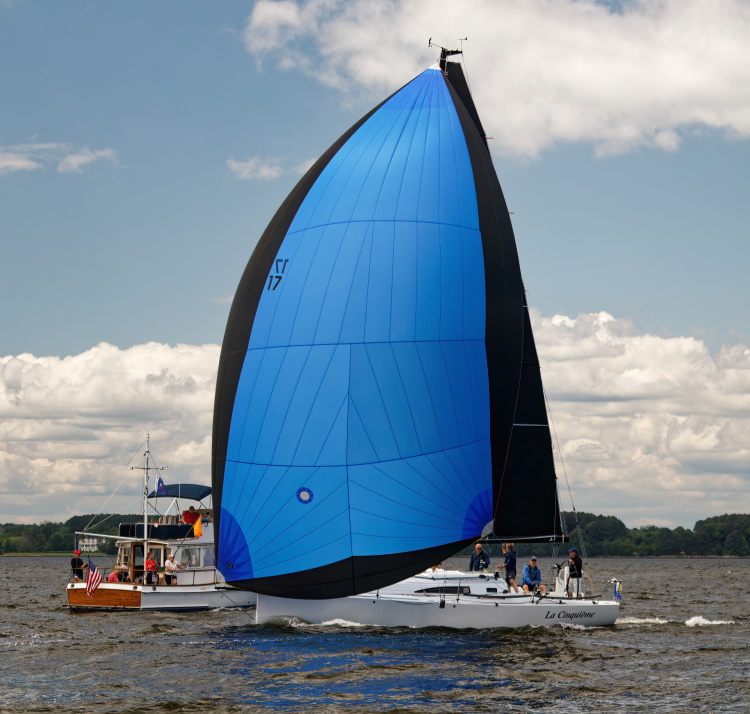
<point>190,516</point>
<point>151,567</point>
<point>76,565</point>
<point>170,570</point>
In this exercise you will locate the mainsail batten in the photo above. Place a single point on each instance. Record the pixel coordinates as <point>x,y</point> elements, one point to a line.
<point>360,426</point>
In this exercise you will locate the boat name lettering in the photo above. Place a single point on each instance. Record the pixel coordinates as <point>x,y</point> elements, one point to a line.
<point>565,615</point>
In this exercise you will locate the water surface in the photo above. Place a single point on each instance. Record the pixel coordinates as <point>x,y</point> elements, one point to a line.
<point>678,646</point>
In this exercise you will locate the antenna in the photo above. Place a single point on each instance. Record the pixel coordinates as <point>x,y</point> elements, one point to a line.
<point>445,53</point>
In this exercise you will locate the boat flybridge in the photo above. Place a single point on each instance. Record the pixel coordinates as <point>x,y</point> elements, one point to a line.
<point>196,584</point>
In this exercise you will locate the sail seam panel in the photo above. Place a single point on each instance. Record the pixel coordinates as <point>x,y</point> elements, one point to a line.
<point>342,351</point>
<point>258,484</point>
<point>431,478</point>
<point>362,342</point>
<point>310,513</point>
<point>404,393</point>
<point>391,477</point>
<point>282,424</point>
<point>417,119</point>
<point>407,221</point>
<point>354,273</point>
<point>272,542</point>
<point>432,401</point>
<point>341,167</point>
<point>333,271</point>
<point>374,534</point>
<point>382,400</point>
<point>363,463</point>
<point>298,399</point>
<point>324,546</point>
<point>396,144</point>
<point>461,487</point>
<point>397,118</point>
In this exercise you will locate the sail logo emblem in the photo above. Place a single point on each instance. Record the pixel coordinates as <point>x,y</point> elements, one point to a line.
<point>275,279</point>
<point>304,495</point>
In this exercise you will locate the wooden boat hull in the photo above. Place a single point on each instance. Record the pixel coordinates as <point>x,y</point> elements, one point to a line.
<point>426,611</point>
<point>123,596</point>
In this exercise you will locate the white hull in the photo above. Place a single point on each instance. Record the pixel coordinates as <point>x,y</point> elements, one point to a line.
<point>195,597</point>
<point>426,611</point>
<point>124,596</point>
<point>464,600</point>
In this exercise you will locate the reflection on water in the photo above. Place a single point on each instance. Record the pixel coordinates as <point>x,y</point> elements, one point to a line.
<point>677,647</point>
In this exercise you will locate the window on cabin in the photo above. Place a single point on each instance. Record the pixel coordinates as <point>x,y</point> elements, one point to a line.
<point>190,557</point>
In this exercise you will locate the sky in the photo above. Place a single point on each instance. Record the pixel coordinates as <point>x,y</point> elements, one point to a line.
<point>145,146</point>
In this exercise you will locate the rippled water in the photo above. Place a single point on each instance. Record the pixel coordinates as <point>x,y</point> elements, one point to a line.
<point>677,647</point>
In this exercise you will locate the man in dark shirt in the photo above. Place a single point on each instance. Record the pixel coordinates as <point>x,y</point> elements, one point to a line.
<point>509,565</point>
<point>479,559</point>
<point>575,570</point>
<point>76,565</point>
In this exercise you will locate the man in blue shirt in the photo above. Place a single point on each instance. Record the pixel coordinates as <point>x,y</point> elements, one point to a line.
<point>479,559</point>
<point>532,577</point>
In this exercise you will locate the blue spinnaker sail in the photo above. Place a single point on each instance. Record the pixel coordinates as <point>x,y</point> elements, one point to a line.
<point>356,439</point>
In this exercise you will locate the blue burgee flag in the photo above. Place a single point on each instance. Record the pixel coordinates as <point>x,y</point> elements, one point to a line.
<point>161,489</point>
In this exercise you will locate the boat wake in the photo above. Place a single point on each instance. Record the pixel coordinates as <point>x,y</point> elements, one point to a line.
<point>341,623</point>
<point>641,621</point>
<point>699,621</point>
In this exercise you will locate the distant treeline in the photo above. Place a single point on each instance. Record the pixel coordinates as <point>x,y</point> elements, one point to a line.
<point>602,535</point>
<point>50,537</point>
<point>606,535</point>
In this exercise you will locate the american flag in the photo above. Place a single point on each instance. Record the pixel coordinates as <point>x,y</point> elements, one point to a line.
<point>93,578</point>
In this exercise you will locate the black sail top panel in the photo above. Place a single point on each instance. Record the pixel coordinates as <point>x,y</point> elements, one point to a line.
<point>529,507</point>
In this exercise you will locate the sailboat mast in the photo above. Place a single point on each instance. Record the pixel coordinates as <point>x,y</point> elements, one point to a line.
<point>145,497</point>
<point>146,468</point>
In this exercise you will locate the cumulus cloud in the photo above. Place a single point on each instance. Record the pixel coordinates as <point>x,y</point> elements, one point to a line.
<point>258,169</point>
<point>255,169</point>
<point>622,75</point>
<point>68,159</point>
<point>69,426</point>
<point>651,429</point>
<point>11,162</point>
<point>74,163</point>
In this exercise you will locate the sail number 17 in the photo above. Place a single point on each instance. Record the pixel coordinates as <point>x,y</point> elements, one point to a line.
<point>275,278</point>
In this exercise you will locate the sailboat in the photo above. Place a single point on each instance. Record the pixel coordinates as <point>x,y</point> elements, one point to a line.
<point>379,404</point>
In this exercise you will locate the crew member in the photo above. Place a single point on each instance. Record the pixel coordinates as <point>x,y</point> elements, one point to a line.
<point>479,559</point>
<point>575,573</point>
<point>532,577</point>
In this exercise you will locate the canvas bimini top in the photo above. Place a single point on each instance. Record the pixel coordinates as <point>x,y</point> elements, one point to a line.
<point>370,369</point>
